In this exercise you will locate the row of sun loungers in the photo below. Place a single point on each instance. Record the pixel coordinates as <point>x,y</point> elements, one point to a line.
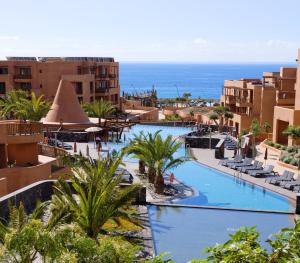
<point>255,168</point>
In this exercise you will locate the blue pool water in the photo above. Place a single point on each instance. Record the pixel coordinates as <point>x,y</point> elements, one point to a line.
<point>186,232</point>
<point>212,187</point>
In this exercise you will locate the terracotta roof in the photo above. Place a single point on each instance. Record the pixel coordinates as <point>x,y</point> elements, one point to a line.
<point>66,107</point>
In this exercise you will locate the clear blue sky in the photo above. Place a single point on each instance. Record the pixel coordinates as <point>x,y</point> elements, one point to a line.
<point>153,30</point>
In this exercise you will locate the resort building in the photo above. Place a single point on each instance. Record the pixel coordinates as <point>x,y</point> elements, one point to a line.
<point>93,78</point>
<point>250,99</point>
<point>288,114</point>
<point>22,161</point>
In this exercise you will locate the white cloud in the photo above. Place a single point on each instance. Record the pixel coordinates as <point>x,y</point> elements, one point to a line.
<point>279,43</point>
<point>9,38</point>
<point>200,41</point>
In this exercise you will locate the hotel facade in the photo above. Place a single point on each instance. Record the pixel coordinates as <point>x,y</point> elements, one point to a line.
<point>275,99</point>
<point>93,78</point>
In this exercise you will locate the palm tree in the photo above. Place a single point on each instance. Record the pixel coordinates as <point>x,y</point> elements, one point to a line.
<point>293,132</point>
<point>165,161</point>
<point>92,197</point>
<point>255,130</point>
<point>99,109</point>
<point>142,148</point>
<point>228,115</point>
<point>9,104</point>
<point>32,109</point>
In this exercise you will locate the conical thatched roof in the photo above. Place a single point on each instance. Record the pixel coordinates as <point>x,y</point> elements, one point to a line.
<point>66,107</point>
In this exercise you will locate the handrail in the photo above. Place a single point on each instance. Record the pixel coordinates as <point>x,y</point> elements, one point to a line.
<point>51,151</point>
<point>30,128</point>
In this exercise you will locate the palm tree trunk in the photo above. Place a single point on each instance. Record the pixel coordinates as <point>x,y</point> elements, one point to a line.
<point>141,167</point>
<point>151,175</point>
<point>159,184</point>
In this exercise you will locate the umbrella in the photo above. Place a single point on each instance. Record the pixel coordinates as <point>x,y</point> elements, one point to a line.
<point>87,150</point>
<point>93,130</point>
<point>266,155</point>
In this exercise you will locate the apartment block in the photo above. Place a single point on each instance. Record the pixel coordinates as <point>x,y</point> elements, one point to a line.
<point>93,78</point>
<point>285,115</point>
<point>250,99</point>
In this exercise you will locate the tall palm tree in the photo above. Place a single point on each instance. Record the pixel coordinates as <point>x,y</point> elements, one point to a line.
<point>293,132</point>
<point>92,197</point>
<point>99,109</point>
<point>32,109</point>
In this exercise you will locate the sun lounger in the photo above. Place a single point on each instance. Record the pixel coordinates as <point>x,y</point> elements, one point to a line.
<point>246,162</point>
<point>286,176</point>
<point>256,167</point>
<point>236,159</point>
<point>296,189</point>
<point>292,184</point>
<point>267,171</point>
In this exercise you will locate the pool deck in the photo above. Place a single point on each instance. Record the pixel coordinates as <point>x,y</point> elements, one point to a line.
<point>206,157</point>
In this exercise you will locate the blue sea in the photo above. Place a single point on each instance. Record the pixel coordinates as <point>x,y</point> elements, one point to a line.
<point>201,80</point>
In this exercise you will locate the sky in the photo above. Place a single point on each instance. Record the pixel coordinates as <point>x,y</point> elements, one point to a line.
<point>196,31</point>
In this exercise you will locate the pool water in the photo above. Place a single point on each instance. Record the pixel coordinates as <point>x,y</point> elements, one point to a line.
<point>186,232</point>
<point>212,187</point>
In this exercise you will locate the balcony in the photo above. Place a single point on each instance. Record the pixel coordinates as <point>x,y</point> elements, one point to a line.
<point>112,75</point>
<point>101,76</point>
<point>285,97</point>
<point>243,102</point>
<point>101,90</point>
<point>230,99</point>
<point>15,132</point>
<point>22,76</point>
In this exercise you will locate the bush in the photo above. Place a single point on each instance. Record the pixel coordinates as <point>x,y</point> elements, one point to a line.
<point>290,149</point>
<point>287,159</point>
<point>277,146</point>
<point>283,147</point>
<point>294,162</point>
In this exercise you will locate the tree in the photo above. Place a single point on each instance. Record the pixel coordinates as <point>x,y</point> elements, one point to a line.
<point>293,132</point>
<point>222,113</point>
<point>9,103</point>
<point>96,198</point>
<point>99,109</point>
<point>255,130</point>
<point>266,127</point>
<point>214,117</point>
<point>33,109</point>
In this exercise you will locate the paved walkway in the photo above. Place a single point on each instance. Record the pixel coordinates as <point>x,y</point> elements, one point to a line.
<point>206,156</point>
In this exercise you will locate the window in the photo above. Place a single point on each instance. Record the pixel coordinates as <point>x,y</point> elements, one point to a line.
<point>91,99</point>
<point>80,99</point>
<point>78,87</point>
<point>25,71</point>
<point>3,70</point>
<point>2,88</point>
<point>25,86</point>
<point>91,87</point>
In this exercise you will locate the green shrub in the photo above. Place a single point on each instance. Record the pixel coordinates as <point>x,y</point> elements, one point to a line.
<point>277,146</point>
<point>290,149</point>
<point>283,147</point>
<point>294,162</point>
<point>287,159</point>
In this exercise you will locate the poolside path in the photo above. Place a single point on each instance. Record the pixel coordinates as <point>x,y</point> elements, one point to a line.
<point>206,157</point>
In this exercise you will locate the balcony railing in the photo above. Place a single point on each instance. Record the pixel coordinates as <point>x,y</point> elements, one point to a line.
<point>101,76</point>
<point>285,94</point>
<point>112,75</point>
<point>51,151</point>
<point>243,100</point>
<point>21,76</point>
<point>30,128</point>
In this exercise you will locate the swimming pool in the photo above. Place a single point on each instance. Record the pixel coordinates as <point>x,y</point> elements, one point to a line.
<point>186,232</point>
<point>212,187</point>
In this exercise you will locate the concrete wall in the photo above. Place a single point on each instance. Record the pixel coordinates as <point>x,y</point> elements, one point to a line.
<point>23,154</point>
<point>268,101</point>
<point>18,177</point>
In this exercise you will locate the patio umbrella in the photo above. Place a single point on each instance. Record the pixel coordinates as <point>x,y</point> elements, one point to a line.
<point>266,155</point>
<point>94,130</point>
<point>87,150</point>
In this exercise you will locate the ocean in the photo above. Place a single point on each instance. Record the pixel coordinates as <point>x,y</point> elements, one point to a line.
<point>201,80</point>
